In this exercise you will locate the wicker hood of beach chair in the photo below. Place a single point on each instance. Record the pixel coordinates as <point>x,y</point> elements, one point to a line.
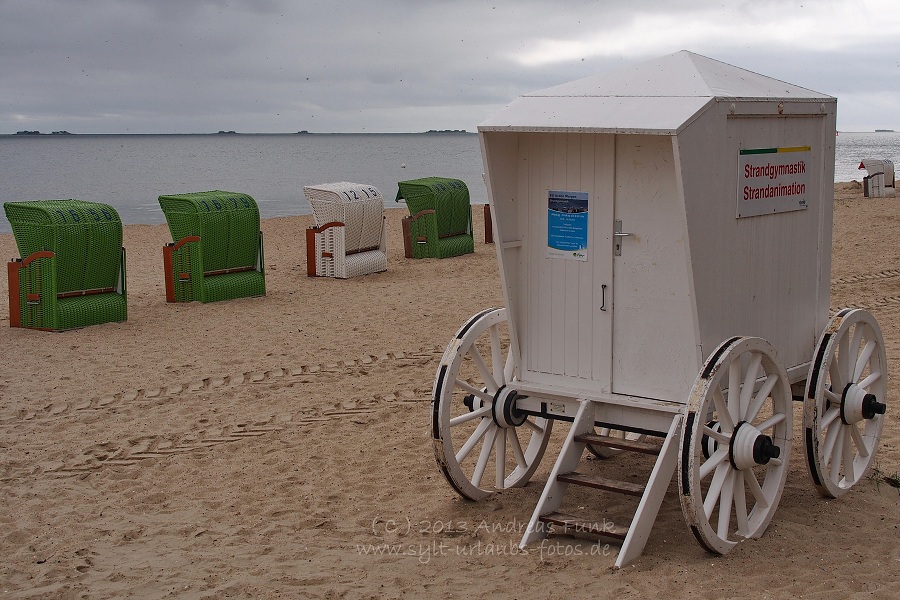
<point>349,238</point>
<point>440,221</point>
<point>217,248</point>
<point>72,267</point>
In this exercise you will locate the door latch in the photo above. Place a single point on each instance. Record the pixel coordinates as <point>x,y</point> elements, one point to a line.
<point>618,234</point>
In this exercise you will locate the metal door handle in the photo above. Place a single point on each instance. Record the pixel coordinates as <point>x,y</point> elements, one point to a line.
<point>617,234</point>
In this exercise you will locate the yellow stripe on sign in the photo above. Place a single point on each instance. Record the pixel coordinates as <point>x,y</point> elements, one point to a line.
<point>796,149</point>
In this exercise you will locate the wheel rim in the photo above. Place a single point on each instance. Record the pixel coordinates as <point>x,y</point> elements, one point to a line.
<point>844,402</point>
<point>477,433</point>
<point>735,444</point>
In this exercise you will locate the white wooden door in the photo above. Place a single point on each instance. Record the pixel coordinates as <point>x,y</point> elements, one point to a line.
<point>655,346</point>
<point>563,308</point>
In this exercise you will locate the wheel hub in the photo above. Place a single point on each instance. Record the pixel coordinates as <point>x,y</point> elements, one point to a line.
<point>473,402</point>
<point>505,413</point>
<point>749,447</point>
<point>857,404</point>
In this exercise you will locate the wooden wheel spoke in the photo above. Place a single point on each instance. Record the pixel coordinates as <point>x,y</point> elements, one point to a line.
<point>831,437</point>
<point>486,374</point>
<point>755,489</point>
<point>500,457</point>
<point>469,416</point>
<point>473,439</point>
<point>716,435</point>
<point>837,378</point>
<point>830,415</point>
<point>509,367</point>
<point>713,494</point>
<point>734,390</point>
<point>853,350</point>
<point>761,396</point>
<point>847,454</point>
<point>485,455</point>
<point>749,386</point>
<point>832,397</point>
<point>725,419</point>
<point>837,454</point>
<point>725,505</point>
<point>533,426</point>
<point>843,359</point>
<point>714,461</point>
<point>859,441</point>
<point>497,355</point>
<point>863,360</point>
<point>517,449</point>
<point>771,421</point>
<point>870,379</point>
<point>740,505</point>
<point>463,385</point>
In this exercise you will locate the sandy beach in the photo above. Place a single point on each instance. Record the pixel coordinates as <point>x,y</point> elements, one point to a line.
<point>280,447</point>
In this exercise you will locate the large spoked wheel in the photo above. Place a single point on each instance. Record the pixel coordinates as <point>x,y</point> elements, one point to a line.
<point>844,403</point>
<point>735,444</point>
<point>478,433</point>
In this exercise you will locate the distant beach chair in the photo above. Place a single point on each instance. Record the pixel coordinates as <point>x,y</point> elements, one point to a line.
<point>348,238</point>
<point>72,273</point>
<point>217,248</point>
<point>440,221</point>
<point>879,183</point>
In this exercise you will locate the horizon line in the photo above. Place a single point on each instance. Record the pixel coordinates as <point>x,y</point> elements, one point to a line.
<point>64,133</point>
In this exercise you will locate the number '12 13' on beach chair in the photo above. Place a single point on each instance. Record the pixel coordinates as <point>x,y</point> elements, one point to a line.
<point>348,238</point>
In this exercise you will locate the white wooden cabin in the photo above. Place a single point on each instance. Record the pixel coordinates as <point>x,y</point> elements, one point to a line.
<point>664,151</point>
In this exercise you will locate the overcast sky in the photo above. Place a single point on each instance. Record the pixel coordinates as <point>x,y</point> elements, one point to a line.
<point>198,66</point>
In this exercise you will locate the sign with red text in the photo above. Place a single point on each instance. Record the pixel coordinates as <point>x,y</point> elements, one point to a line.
<point>773,180</point>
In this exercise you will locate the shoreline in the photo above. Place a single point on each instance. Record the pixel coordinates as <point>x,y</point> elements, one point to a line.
<point>6,230</point>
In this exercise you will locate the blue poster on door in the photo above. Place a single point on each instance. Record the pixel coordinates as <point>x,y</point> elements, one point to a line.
<point>567,225</point>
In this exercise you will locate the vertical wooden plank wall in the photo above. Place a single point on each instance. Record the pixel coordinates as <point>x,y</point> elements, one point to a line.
<point>562,330</point>
<point>762,275</point>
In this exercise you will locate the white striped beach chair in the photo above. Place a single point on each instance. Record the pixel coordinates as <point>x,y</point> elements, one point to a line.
<point>348,238</point>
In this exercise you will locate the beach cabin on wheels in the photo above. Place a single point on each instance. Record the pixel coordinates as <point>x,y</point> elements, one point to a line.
<point>664,239</point>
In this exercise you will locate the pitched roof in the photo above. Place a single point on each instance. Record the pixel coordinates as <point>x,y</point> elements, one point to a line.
<point>656,96</point>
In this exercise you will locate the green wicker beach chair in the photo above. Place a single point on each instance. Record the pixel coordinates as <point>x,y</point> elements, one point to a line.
<point>440,221</point>
<point>72,270</point>
<point>217,252</point>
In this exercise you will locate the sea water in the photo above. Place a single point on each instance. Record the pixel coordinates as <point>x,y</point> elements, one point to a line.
<point>130,172</point>
<point>851,148</point>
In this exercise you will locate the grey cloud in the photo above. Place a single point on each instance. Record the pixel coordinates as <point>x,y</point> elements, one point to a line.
<point>402,65</point>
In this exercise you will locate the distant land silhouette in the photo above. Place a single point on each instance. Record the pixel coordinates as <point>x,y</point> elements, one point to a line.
<point>233,132</point>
